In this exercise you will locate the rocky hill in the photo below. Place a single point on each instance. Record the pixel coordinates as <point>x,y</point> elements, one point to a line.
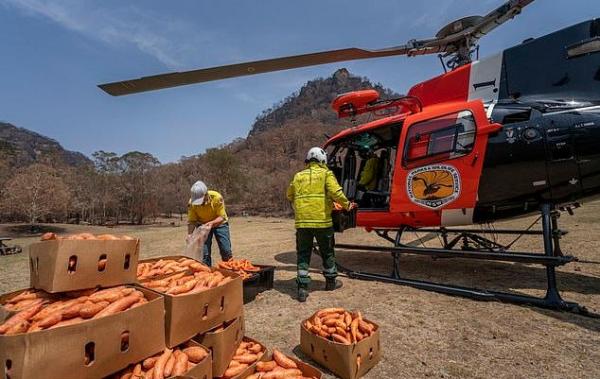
<point>313,101</point>
<point>21,147</point>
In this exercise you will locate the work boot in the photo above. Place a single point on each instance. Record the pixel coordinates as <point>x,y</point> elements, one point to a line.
<point>302,294</point>
<point>332,284</point>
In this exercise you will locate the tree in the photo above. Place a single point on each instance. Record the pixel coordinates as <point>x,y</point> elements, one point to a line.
<point>36,192</point>
<point>138,185</point>
<point>107,167</point>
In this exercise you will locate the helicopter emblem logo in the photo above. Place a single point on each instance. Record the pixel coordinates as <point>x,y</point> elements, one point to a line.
<point>433,186</point>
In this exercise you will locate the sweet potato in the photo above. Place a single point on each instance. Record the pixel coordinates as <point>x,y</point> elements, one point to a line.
<point>246,358</point>
<point>170,364</point>
<point>233,371</point>
<point>282,360</point>
<point>149,363</point>
<point>48,236</point>
<point>180,364</point>
<point>159,366</point>
<point>266,366</point>
<point>195,353</point>
<point>184,288</point>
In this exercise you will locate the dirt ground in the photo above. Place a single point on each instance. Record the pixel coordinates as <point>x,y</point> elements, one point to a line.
<point>424,334</point>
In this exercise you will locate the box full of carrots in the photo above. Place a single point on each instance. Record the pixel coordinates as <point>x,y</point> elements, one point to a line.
<point>222,342</point>
<point>187,360</point>
<point>197,297</point>
<point>342,341</point>
<point>81,334</point>
<point>81,261</point>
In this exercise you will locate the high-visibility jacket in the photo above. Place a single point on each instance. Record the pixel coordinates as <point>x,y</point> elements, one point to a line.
<point>213,207</point>
<point>368,176</point>
<point>312,193</point>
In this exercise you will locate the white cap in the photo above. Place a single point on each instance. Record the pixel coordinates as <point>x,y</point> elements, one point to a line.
<point>198,190</point>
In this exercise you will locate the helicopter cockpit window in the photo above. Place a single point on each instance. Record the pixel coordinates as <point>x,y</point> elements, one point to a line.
<point>442,138</point>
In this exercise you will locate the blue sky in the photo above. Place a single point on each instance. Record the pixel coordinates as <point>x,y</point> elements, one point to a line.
<point>54,53</point>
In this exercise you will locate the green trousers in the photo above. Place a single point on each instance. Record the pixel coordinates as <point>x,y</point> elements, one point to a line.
<point>304,246</point>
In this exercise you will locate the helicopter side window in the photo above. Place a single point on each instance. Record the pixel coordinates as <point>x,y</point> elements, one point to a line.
<point>442,138</point>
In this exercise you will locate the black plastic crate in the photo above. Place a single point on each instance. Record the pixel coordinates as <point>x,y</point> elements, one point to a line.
<point>259,282</point>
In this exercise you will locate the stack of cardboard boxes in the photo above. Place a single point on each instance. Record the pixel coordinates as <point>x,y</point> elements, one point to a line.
<point>111,346</point>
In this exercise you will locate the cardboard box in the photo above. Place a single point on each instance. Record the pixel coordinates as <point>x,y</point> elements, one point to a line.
<point>202,370</point>
<point>339,358</point>
<point>111,343</point>
<point>223,344</point>
<point>189,315</point>
<point>52,268</point>
<point>252,368</point>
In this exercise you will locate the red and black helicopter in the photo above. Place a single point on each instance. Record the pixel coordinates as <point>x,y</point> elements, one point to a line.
<point>490,139</point>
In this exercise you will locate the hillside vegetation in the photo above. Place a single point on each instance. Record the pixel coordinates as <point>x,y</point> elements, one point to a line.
<point>40,181</point>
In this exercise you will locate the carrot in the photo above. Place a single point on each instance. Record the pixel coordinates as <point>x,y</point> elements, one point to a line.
<point>89,309</point>
<point>282,360</point>
<point>20,327</point>
<point>159,367</point>
<point>118,306</point>
<point>354,329</point>
<point>72,321</point>
<point>233,371</point>
<point>24,315</point>
<point>180,364</point>
<point>195,353</point>
<point>340,339</point>
<point>48,236</point>
<point>325,311</point>
<point>51,319</point>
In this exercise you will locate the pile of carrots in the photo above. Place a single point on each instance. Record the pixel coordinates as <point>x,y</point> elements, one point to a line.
<point>339,325</point>
<point>242,266</point>
<point>280,367</point>
<point>185,284</point>
<point>84,236</point>
<point>40,311</point>
<point>171,362</point>
<point>246,355</point>
<point>150,270</point>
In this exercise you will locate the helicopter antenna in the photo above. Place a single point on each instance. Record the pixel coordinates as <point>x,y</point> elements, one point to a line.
<point>455,42</point>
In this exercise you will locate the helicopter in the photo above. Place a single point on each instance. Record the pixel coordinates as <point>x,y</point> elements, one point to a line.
<point>489,139</point>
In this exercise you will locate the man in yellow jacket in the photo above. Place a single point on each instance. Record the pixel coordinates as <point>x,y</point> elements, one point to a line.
<point>207,208</point>
<point>312,193</point>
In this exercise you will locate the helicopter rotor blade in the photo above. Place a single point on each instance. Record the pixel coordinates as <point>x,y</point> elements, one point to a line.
<point>174,79</point>
<point>454,36</point>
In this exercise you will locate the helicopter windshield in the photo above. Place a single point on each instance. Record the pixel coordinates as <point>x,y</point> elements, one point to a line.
<point>363,164</point>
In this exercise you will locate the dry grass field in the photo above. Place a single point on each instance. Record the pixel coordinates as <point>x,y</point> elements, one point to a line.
<point>423,334</point>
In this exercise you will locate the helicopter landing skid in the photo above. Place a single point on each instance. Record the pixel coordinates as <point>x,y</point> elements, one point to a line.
<point>551,258</point>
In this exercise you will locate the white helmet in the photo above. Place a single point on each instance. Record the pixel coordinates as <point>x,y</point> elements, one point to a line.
<point>317,154</point>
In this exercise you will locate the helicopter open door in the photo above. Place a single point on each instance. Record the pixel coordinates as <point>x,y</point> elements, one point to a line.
<point>439,163</point>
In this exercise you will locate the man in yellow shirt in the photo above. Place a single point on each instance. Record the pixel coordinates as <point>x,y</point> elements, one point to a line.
<point>207,208</point>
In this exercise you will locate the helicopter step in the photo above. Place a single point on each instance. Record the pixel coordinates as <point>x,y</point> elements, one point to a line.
<point>551,258</point>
